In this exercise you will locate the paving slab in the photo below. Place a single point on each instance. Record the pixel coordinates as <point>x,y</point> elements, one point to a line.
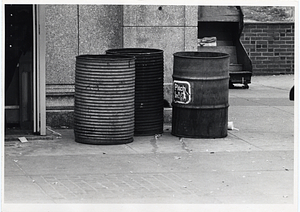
<point>254,165</point>
<point>182,177</point>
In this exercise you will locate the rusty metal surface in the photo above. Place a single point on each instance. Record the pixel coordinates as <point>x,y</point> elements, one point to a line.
<point>200,101</point>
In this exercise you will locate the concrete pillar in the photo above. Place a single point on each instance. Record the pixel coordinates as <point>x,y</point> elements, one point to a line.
<point>72,30</point>
<point>61,43</point>
<point>61,48</point>
<point>100,28</point>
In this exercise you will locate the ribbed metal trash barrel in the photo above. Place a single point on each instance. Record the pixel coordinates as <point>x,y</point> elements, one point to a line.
<point>149,95</point>
<point>200,94</point>
<point>104,99</point>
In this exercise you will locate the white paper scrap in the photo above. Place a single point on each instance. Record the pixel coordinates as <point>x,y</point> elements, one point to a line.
<point>23,139</point>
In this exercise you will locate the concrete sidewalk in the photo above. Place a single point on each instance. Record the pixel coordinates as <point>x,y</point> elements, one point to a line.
<point>252,165</point>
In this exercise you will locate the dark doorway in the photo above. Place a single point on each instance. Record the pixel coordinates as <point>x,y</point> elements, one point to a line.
<point>18,67</point>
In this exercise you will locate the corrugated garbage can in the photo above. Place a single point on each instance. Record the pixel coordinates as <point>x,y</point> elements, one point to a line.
<point>104,99</point>
<point>149,93</point>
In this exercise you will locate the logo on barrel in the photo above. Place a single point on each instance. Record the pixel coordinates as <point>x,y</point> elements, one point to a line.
<point>182,92</point>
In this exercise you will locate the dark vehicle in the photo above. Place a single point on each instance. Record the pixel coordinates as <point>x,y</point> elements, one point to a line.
<point>292,95</point>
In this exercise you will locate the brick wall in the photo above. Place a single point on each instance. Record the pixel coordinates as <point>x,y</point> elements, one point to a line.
<point>270,47</point>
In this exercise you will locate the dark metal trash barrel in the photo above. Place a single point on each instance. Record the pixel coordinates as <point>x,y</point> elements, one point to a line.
<point>149,94</point>
<point>104,99</point>
<point>200,94</point>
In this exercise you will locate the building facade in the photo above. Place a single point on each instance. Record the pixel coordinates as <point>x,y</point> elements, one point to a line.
<point>73,30</point>
<point>62,32</point>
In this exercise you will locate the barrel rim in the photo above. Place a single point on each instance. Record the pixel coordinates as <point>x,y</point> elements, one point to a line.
<point>134,51</point>
<point>105,57</point>
<point>192,55</point>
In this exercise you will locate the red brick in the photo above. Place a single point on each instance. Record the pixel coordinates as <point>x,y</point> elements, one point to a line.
<point>280,50</point>
<point>261,66</point>
<point>255,54</point>
<point>262,42</point>
<point>272,66</point>
<point>258,61</point>
<point>273,46</point>
<point>251,35</point>
<point>274,58</point>
<point>256,38</point>
<point>267,54</point>
<point>286,53</point>
<point>286,46</point>
<point>262,50</point>
<point>256,30</point>
<point>290,34</point>
<point>270,42</point>
<point>286,38</point>
<point>245,42</point>
<point>281,42</point>
<point>262,58</point>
